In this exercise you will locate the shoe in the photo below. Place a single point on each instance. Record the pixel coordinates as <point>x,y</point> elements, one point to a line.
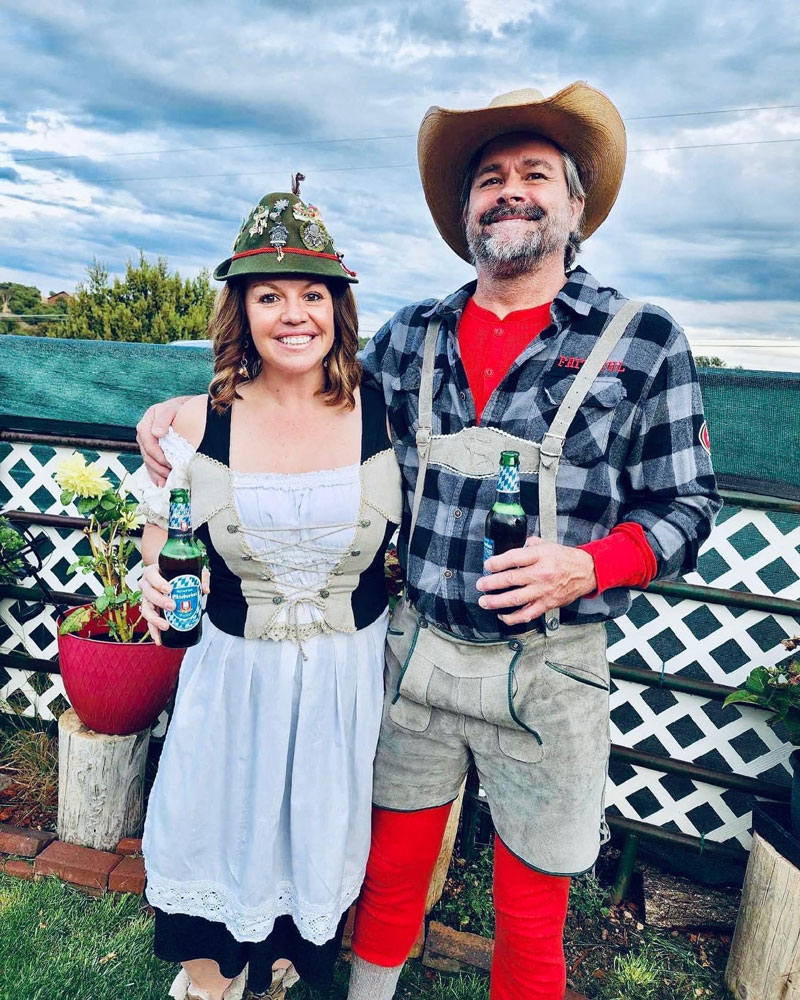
<point>182,988</point>
<point>282,980</point>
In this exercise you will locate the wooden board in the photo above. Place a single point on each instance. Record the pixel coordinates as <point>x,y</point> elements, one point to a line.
<point>446,853</point>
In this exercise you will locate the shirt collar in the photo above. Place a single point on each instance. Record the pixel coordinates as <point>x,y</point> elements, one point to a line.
<point>454,303</point>
<point>578,294</point>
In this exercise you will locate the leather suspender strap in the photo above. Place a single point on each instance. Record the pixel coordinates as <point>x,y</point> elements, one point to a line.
<point>552,444</point>
<point>425,421</point>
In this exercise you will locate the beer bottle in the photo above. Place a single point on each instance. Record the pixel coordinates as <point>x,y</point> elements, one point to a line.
<point>506,525</point>
<point>181,562</point>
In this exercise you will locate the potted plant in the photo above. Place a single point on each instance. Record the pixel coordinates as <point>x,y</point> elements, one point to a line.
<point>777,688</point>
<point>117,680</point>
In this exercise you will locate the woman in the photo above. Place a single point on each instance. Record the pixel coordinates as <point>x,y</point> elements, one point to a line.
<point>257,830</point>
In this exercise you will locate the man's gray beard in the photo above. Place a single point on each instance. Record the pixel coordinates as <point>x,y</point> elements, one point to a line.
<point>512,258</point>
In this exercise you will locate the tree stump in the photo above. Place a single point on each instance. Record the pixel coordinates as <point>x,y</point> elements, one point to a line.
<point>446,853</point>
<point>100,784</point>
<point>764,962</point>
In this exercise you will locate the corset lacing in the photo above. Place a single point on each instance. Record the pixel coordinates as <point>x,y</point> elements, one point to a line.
<point>282,558</point>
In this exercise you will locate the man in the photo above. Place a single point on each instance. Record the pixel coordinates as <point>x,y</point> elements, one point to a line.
<point>601,399</point>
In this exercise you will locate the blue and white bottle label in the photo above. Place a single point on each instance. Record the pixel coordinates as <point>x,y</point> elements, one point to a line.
<point>185,591</point>
<point>508,479</point>
<point>180,517</point>
<point>488,552</point>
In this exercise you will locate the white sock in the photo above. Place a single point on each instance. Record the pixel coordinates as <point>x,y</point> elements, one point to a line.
<point>372,982</point>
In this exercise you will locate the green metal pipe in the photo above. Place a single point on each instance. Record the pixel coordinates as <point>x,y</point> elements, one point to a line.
<point>621,824</point>
<point>668,765</point>
<point>627,862</point>
<point>54,520</point>
<point>728,598</point>
<point>34,595</point>
<point>757,501</point>
<point>672,682</point>
<point>16,661</point>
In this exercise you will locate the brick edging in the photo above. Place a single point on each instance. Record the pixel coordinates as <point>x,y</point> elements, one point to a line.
<point>33,854</point>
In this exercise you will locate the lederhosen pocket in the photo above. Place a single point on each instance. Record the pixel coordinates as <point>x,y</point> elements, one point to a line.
<point>481,680</point>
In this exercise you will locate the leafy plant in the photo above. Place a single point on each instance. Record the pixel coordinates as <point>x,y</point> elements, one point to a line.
<point>12,566</point>
<point>466,902</point>
<point>113,515</point>
<point>588,898</point>
<point>778,689</point>
<point>30,755</point>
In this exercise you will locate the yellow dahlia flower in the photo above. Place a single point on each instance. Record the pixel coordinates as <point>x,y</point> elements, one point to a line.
<point>84,480</point>
<point>129,519</point>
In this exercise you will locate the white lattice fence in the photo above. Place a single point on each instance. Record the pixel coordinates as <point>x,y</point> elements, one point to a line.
<point>26,484</point>
<point>749,550</point>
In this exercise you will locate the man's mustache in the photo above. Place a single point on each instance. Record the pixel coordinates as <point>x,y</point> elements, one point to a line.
<point>531,212</point>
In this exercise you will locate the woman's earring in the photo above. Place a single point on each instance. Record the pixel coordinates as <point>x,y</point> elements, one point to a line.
<point>243,371</point>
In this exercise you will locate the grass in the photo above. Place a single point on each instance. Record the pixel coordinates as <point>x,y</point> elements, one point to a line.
<point>58,944</point>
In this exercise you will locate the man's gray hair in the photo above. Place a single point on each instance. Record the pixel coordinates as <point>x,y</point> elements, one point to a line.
<point>575,189</point>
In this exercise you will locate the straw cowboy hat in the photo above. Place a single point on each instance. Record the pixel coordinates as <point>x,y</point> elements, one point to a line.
<point>579,119</point>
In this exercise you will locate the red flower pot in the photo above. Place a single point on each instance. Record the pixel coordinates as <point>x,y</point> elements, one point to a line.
<point>116,687</point>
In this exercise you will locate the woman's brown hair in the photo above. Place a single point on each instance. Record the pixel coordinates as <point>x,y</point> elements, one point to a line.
<point>230,332</point>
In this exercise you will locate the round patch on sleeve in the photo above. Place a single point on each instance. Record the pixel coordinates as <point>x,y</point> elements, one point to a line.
<point>705,440</point>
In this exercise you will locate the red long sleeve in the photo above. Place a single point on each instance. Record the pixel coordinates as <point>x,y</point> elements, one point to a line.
<point>623,558</point>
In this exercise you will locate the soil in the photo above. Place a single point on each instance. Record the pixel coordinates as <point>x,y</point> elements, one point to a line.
<point>15,811</point>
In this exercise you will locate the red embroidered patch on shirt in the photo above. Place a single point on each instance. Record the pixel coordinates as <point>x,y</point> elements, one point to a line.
<point>564,361</point>
<point>705,440</point>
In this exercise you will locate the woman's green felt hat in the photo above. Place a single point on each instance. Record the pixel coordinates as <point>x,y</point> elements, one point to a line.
<point>283,237</point>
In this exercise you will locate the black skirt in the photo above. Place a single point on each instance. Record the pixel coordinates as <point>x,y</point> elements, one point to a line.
<point>181,938</point>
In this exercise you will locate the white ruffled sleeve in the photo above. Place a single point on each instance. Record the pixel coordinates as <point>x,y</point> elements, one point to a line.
<point>154,500</point>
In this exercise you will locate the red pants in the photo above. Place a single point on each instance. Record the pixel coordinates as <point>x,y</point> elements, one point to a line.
<point>530,908</point>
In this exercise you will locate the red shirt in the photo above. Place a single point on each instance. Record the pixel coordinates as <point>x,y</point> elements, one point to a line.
<point>489,347</point>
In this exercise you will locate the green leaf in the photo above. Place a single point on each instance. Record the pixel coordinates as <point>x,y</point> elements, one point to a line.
<point>101,603</point>
<point>748,696</point>
<point>67,496</point>
<point>758,680</point>
<point>75,621</point>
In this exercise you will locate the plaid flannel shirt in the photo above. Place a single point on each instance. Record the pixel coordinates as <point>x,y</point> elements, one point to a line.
<point>633,453</point>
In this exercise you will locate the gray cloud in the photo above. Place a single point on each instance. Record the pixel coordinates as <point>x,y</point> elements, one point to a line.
<point>692,225</point>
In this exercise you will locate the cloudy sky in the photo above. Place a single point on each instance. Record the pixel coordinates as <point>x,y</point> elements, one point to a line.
<point>157,126</point>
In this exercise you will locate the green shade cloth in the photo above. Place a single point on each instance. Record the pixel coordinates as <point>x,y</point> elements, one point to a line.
<point>100,389</point>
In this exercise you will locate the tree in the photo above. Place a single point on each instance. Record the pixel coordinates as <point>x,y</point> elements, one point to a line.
<point>22,300</point>
<point>149,304</point>
<point>709,361</point>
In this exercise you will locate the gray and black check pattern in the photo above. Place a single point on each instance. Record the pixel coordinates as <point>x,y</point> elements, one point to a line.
<point>632,454</point>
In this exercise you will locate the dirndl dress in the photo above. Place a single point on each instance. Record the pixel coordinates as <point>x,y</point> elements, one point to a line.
<point>258,824</point>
